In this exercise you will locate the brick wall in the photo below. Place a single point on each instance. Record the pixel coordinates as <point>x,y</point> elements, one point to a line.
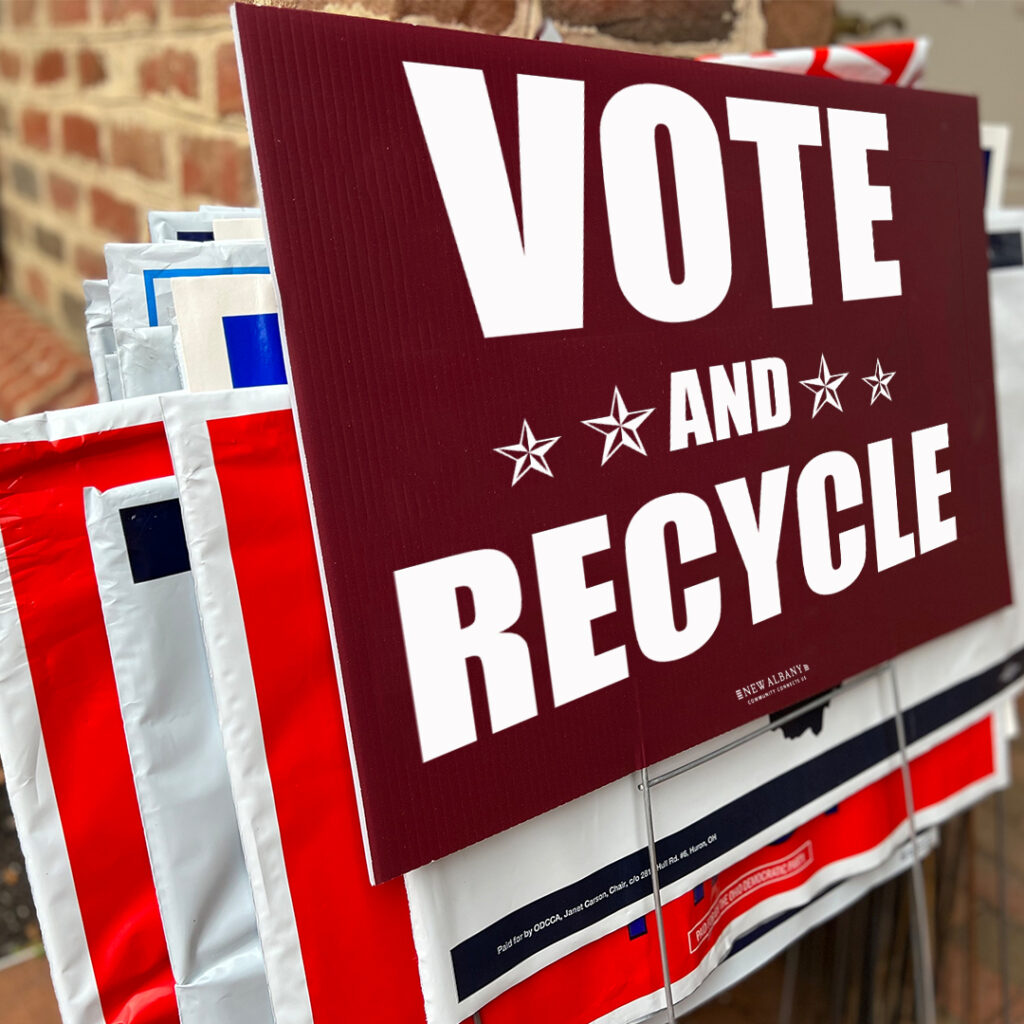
<point>111,107</point>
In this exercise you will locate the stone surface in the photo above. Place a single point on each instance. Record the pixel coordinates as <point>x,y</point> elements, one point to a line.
<point>798,22</point>
<point>648,21</point>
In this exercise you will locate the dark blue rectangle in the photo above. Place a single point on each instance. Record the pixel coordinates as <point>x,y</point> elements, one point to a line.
<point>155,538</point>
<point>1005,250</point>
<point>195,236</point>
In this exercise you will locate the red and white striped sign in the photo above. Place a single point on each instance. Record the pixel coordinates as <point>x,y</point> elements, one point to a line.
<point>108,730</point>
<point>894,62</point>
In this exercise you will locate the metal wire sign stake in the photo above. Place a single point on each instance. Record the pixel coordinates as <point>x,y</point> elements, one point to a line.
<point>921,945</point>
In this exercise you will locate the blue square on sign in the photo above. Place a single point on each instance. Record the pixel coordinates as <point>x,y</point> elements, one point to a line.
<point>638,928</point>
<point>154,537</point>
<point>254,350</point>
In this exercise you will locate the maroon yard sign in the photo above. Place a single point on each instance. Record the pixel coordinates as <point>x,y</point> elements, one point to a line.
<point>639,397</point>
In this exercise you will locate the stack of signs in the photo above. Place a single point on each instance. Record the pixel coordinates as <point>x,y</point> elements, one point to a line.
<point>544,250</point>
<point>556,546</point>
<point>194,308</point>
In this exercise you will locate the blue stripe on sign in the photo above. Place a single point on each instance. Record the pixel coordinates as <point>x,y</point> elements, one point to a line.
<point>151,276</point>
<point>195,236</point>
<point>254,350</point>
<point>155,539</point>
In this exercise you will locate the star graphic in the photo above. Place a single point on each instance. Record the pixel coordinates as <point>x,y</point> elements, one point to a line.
<point>879,383</point>
<point>825,387</point>
<point>620,427</point>
<point>528,454</point>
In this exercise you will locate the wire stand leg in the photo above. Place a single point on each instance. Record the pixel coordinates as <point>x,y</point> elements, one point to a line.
<point>840,965</point>
<point>1004,921</point>
<point>972,897</point>
<point>652,853</point>
<point>924,978</point>
<point>788,995</point>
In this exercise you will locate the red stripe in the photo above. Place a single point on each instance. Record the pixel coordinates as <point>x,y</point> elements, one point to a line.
<point>42,517</point>
<point>817,68</point>
<point>356,939</point>
<point>895,54</point>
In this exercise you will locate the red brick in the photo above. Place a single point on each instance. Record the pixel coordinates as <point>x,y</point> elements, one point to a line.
<point>229,87</point>
<point>36,286</point>
<point>35,129</point>
<point>199,8</point>
<point>171,69</point>
<point>110,214</point>
<point>83,393</point>
<point>23,12</point>
<point>92,69</point>
<point>90,264</point>
<point>50,66</point>
<point>10,65</point>
<point>69,12</point>
<point>81,136</point>
<point>121,10</point>
<point>217,168</point>
<point>139,150</point>
<point>37,371</point>
<point>63,193</point>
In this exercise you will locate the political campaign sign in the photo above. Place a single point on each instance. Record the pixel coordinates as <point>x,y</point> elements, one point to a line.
<point>618,978</point>
<point>246,517</point>
<point>174,743</point>
<point>141,276</point>
<point>638,398</point>
<point>108,732</point>
<point>889,62</point>
<point>99,334</point>
<point>227,331</point>
<point>764,943</point>
<point>590,854</point>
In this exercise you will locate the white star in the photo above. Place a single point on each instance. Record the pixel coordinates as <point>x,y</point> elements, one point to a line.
<point>528,454</point>
<point>619,427</point>
<point>879,383</point>
<point>825,387</point>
